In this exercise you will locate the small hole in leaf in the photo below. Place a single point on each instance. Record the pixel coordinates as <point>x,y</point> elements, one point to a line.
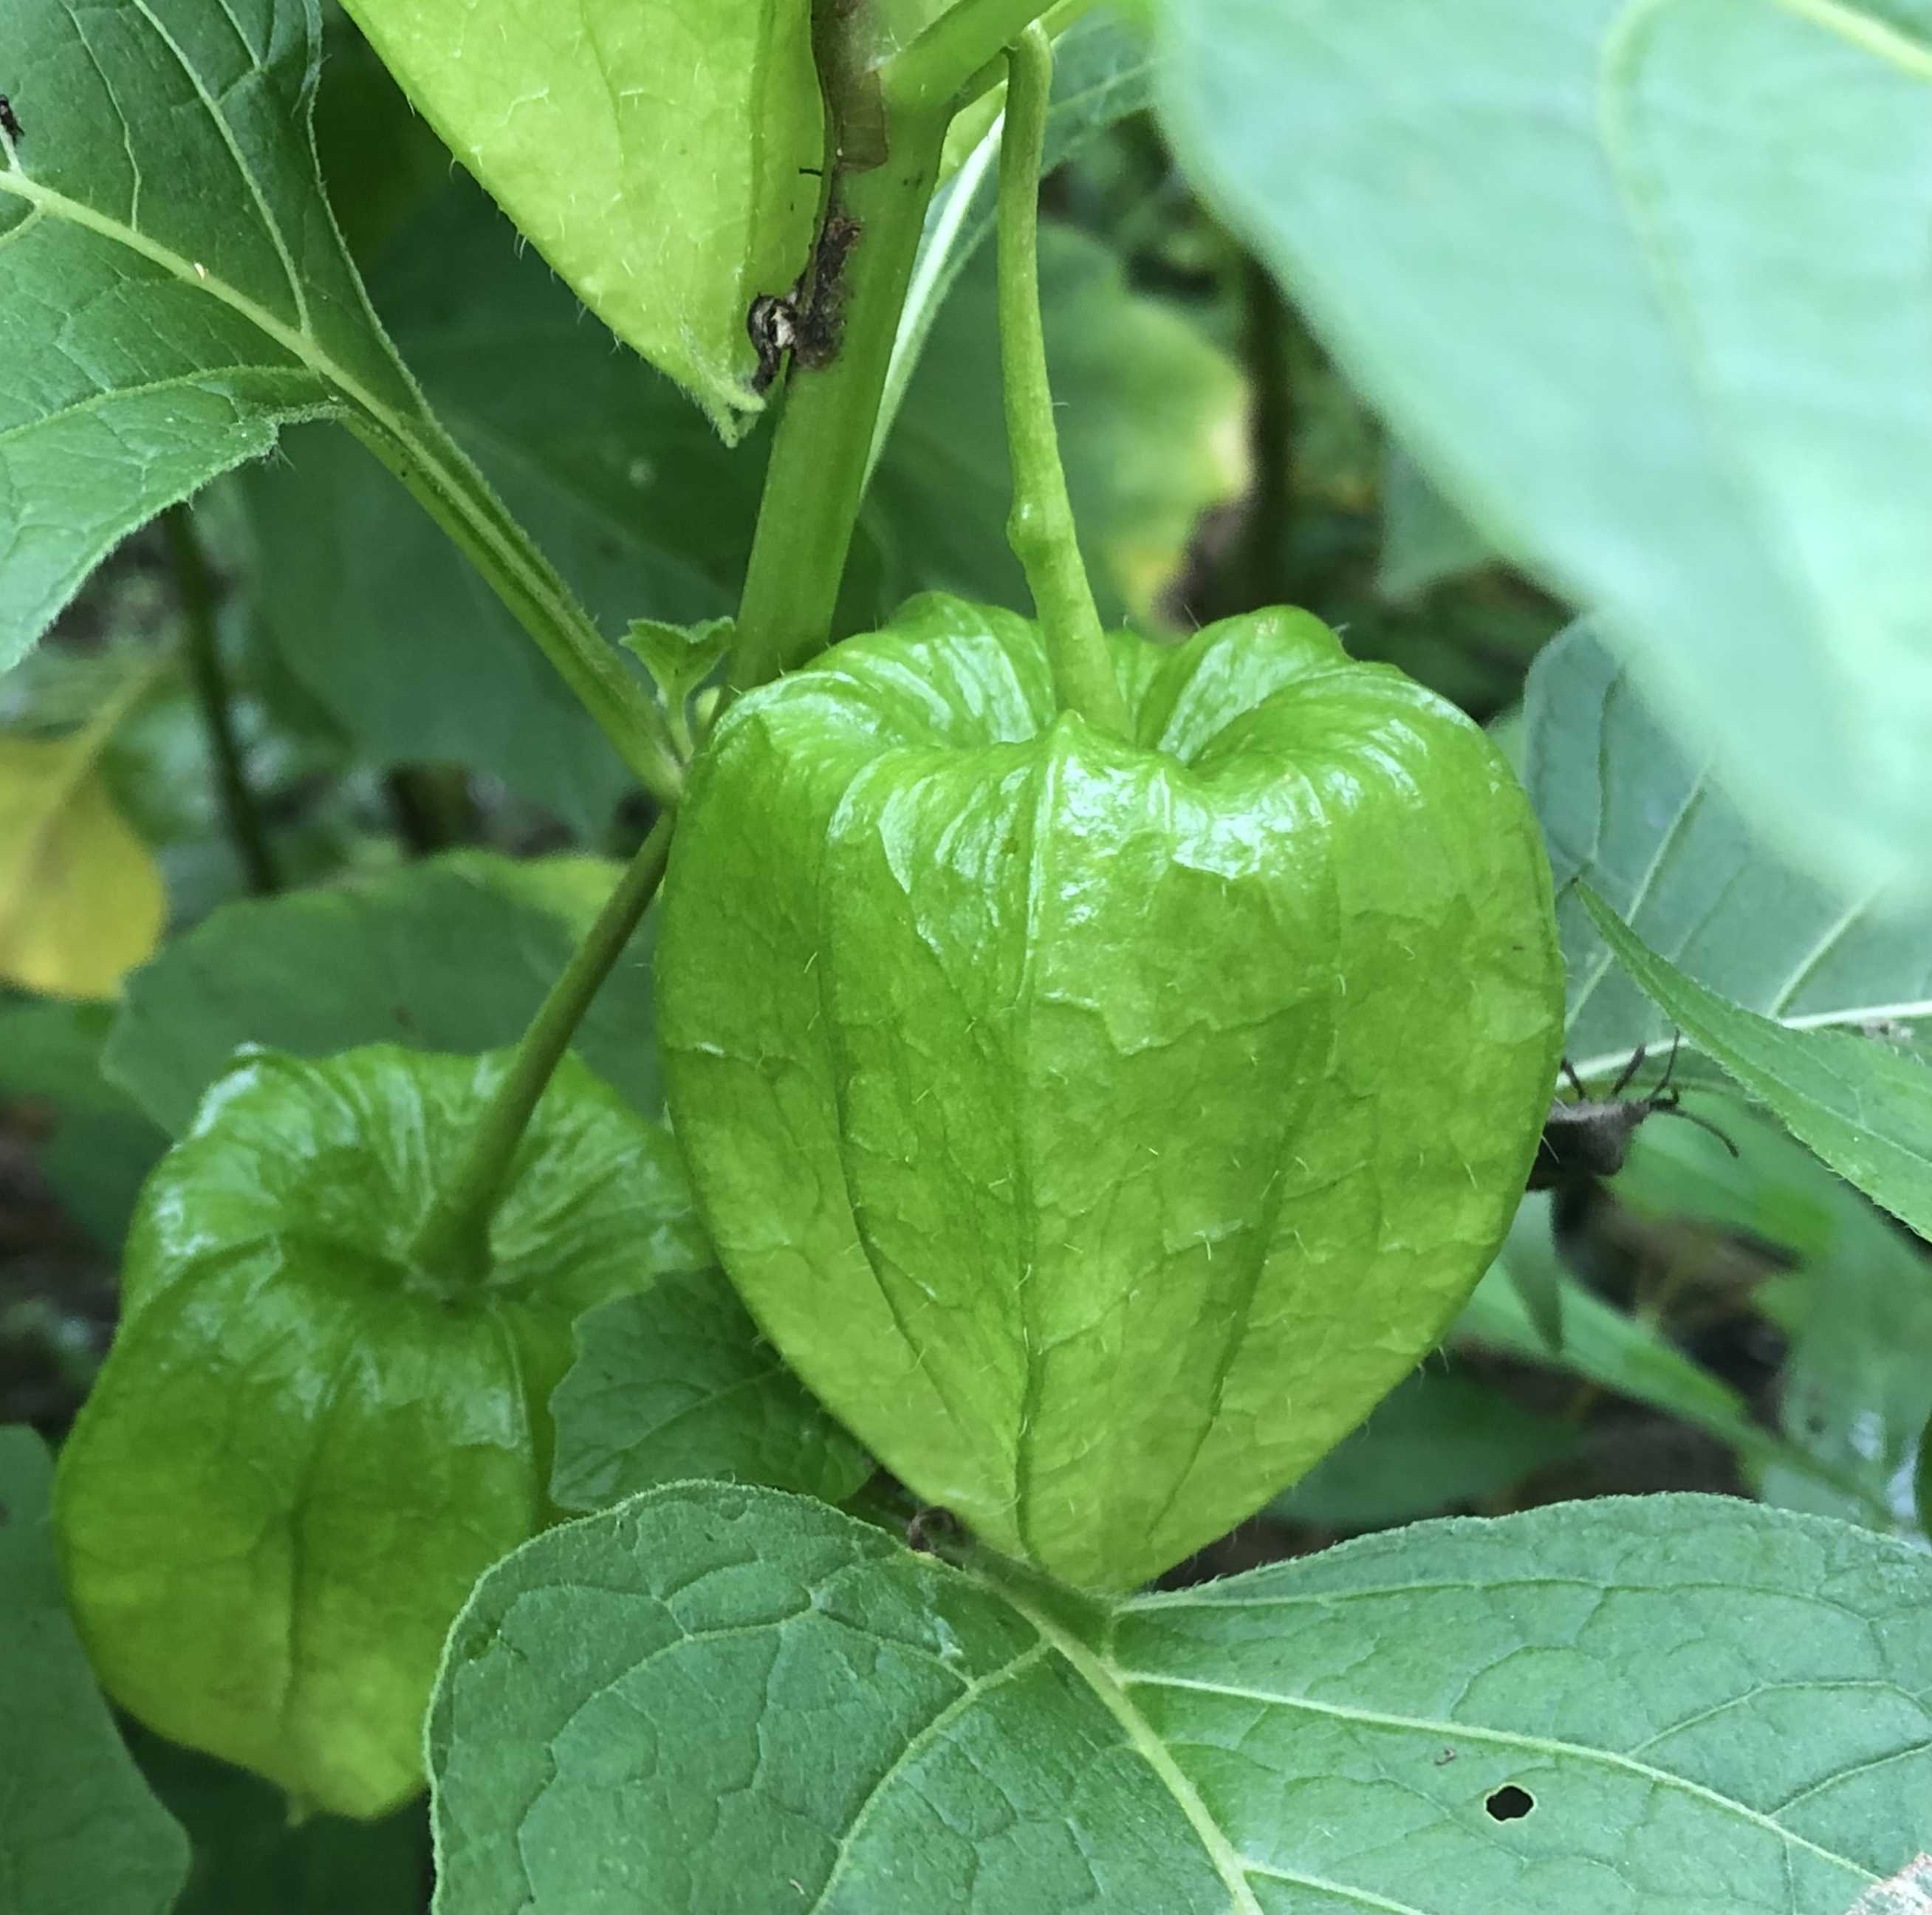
<point>1510,1803</point>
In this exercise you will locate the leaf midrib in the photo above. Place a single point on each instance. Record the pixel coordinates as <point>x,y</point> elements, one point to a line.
<point>1100,1676</point>
<point>1110,1683</point>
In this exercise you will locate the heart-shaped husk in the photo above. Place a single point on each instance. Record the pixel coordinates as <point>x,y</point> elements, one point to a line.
<point>1102,1129</point>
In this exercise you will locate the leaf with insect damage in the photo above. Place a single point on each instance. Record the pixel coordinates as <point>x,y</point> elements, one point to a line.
<point>662,157</point>
<point>1681,1702</point>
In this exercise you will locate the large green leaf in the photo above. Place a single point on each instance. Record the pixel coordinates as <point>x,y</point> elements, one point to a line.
<point>176,288</point>
<point>79,1832</point>
<point>452,955</point>
<point>1101,1127</point>
<point>1647,287</point>
<point>660,157</point>
<point>676,1383</point>
<point>1865,1107</point>
<point>622,482</point>
<point>1650,830</point>
<point>308,1441</point>
<point>712,1697</point>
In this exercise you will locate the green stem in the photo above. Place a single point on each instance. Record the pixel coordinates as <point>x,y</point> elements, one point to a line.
<point>949,61</point>
<point>441,478</point>
<point>453,1241</point>
<point>195,587</point>
<point>1041,530</point>
<point>817,477</point>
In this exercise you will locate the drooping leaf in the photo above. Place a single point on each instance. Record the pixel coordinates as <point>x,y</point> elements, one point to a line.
<point>676,1383</point>
<point>1644,332</point>
<point>176,291</point>
<point>308,1441</point>
<point>1149,414</point>
<point>454,954</point>
<point>1633,1705</point>
<point>80,1830</point>
<point>1864,1107</point>
<point>1013,1148</point>
<point>1441,1440</point>
<point>81,901</point>
<point>657,157</point>
<point>1651,831</point>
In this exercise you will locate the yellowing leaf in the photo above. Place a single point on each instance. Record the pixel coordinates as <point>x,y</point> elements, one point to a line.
<point>81,901</point>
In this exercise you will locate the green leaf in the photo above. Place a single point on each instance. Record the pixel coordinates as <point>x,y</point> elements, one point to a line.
<point>1150,434</point>
<point>304,1447</point>
<point>1634,1358</point>
<point>1864,1107</point>
<point>1426,541</point>
<point>1101,1129</point>
<point>248,1855</point>
<point>676,1383</point>
<point>1702,1704</point>
<point>452,955</point>
<point>1440,1439</point>
<point>624,486</point>
<point>1599,1343</point>
<point>103,1145</point>
<point>79,1832</point>
<point>176,290</point>
<point>1646,333</point>
<point>1855,1389</point>
<point>1651,831</point>
<point>657,158</point>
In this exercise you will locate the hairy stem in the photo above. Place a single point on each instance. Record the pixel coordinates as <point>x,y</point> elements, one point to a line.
<point>454,1239</point>
<point>443,482</point>
<point>195,587</point>
<point>1041,528</point>
<point>817,478</point>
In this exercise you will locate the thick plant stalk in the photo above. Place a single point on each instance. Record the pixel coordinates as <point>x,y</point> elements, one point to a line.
<point>887,126</point>
<point>1041,528</point>
<point>455,1239</point>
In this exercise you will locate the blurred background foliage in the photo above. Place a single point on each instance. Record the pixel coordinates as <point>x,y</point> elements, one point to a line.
<point>276,774</point>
